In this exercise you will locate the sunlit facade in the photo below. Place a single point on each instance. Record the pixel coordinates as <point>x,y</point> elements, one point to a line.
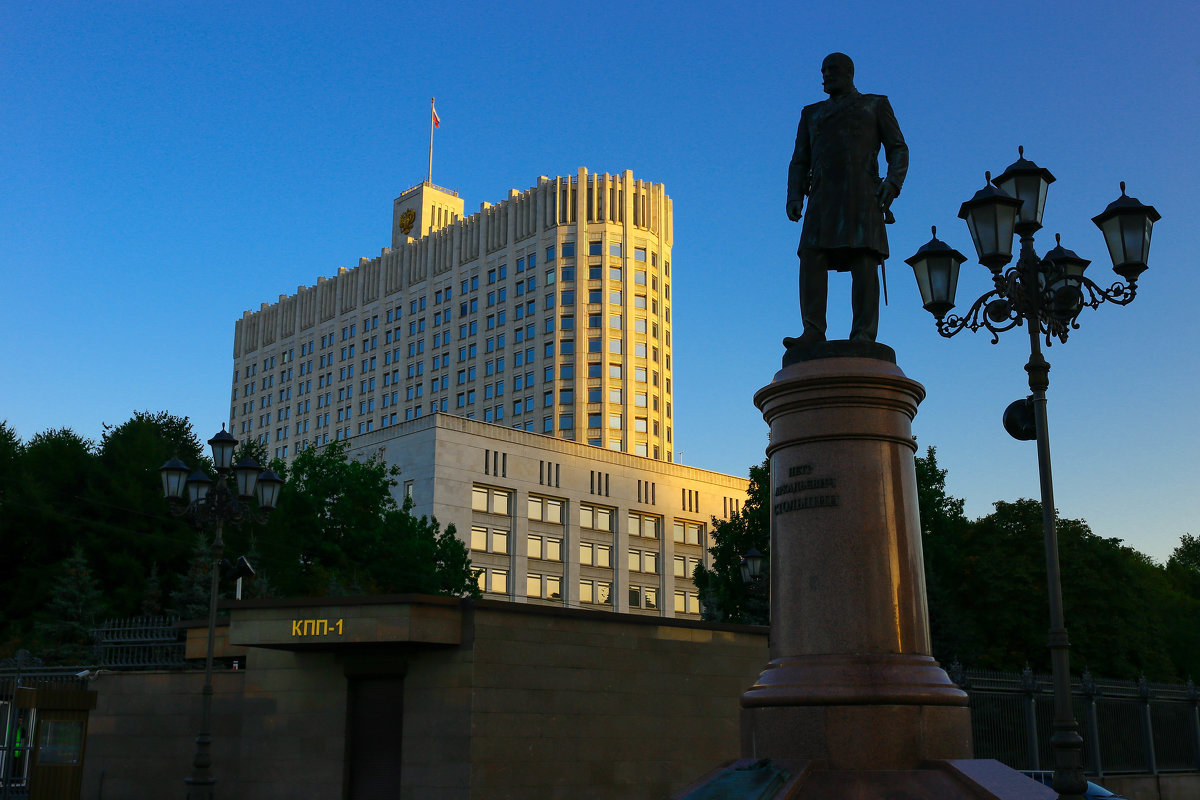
<point>555,522</point>
<point>549,312</point>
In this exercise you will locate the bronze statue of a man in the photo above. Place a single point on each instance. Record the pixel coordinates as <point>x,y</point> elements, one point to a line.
<point>836,164</point>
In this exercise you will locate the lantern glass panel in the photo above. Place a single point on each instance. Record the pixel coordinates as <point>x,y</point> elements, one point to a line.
<point>1075,269</point>
<point>223,445</point>
<point>198,485</point>
<point>943,280</point>
<point>247,478</point>
<point>1136,230</point>
<point>991,228</point>
<point>983,236</point>
<point>921,270</point>
<point>1114,240</point>
<point>1030,188</point>
<point>174,477</point>
<point>268,490</point>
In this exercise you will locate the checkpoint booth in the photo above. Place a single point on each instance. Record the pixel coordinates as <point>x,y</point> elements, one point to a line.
<point>43,729</point>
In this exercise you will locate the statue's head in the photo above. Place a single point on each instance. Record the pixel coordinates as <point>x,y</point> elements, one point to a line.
<point>837,74</point>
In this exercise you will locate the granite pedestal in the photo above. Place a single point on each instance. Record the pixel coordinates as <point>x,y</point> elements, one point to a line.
<point>851,681</point>
<point>852,703</point>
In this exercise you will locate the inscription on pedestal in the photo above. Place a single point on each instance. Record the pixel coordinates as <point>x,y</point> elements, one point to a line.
<point>800,481</point>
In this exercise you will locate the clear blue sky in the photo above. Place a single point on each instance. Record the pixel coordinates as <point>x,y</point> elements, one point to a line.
<point>164,167</point>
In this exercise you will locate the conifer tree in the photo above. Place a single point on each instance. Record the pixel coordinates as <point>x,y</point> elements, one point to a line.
<point>71,614</point>
<point>152,595</point>
<point>191,599</point>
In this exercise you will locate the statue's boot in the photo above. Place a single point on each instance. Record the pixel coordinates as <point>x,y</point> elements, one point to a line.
<point>806,339</point>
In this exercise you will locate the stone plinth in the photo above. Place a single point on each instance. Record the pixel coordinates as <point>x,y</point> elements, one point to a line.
<point>851,682</point>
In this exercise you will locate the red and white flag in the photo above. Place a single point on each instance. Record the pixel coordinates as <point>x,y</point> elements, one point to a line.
<point>437,121</point>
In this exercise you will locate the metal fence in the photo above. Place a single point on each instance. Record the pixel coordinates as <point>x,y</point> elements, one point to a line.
<point>1127,726</point>
<point>139,643</point>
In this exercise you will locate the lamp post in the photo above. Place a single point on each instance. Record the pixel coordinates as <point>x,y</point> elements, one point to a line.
<point>1046,294</point>
<point>756,610</point>
<point>207,505</point>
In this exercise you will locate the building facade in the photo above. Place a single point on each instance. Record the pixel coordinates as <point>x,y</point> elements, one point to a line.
<point>549,312</point>
<point>554,522</point>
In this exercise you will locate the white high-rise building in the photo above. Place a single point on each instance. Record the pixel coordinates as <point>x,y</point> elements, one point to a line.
<point>549,311</point>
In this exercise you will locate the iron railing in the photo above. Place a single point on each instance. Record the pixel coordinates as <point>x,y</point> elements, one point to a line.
<point>139,643</point>
<point>1127,726</point>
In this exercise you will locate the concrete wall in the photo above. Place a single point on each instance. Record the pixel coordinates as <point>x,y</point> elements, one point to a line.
<point>142,735</point>
<point>534,702</point>
<point>294,730</point>
<point>573,708</point>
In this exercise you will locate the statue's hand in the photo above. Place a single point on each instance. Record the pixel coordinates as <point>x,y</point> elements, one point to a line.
<point>885,194</point>
<point>795,209</point>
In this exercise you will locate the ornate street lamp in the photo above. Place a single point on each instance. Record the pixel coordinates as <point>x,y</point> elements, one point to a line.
<point>1047,295</point>
<point>755,610</point>
<point>936,267</point>
<point>752,566</point>
<point>206,504</point>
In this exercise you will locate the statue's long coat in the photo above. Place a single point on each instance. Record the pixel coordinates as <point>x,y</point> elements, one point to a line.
<point>836,164</point>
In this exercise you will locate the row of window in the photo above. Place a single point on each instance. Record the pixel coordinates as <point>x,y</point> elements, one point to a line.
<point>591,592</point>
<point>469,351</point>
<point>566,421</point>
<point>492,321</point>
<point>595,296</point>
<point>564,272</point>
<point>520,357</point>
<point>591,554</point>
<point>437,383</point>
<point>492,500</point>
<point>495,540</point>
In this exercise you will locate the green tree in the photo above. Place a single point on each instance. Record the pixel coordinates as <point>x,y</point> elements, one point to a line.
<point>42,520</point>
<point>132,529</point>
<point>75,605</point>
<point>414,554</point>
<point>943,532</point>
<point>60,491</point>
<point>152,598</point>
<point>1183,566</point>
<point>989,605</point>
<point>1183,575</point>
<point>10,459</point>
<point>193,596</point>
<point>1116,600</point>
<point>338,530</point>
<point>723,595</point>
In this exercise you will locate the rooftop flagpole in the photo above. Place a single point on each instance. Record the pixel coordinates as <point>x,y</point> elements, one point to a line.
<point>434,122</point>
